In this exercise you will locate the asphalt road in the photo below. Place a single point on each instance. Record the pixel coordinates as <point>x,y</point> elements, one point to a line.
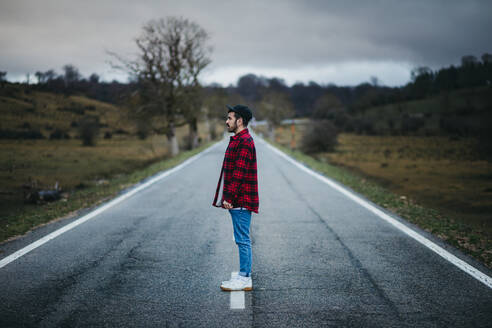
<point>157,260</point>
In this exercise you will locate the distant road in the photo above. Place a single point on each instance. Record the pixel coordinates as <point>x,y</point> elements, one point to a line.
<point>157,258</point>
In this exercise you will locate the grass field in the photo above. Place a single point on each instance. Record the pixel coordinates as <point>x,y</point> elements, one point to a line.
<point>471,105</point>
<point>71,164</point>
<point>87,175</point>
<point>436,171</point>
<point>18,218</point>
<point>437,183</point>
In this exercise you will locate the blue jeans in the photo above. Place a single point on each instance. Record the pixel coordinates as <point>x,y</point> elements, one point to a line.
<point>241,221</point>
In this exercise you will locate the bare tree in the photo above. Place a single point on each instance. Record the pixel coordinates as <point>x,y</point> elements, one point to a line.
<point>71,74</point>
<point>329,107</point>
<point>419,71</point>
<point>40,77</point>
<point>469,60</point>
<point>94,78</point>
<point>3,78</point>
<point>172,53</point>
<point>487,58</point>
<point>215,110</point>
<point>192,105</point>
<point>275,106</point>
<point>49,75</point>
<point>374,81</point>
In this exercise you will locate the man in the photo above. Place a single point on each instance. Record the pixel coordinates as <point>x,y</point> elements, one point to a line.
<point>239,191</point>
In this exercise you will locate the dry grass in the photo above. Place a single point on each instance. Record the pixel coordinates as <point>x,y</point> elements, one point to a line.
<point>72,164</point>
<point>436,171</point>
<point>18,218</point>
<point>45,111</point>
<point>435,182</point>
<point>88,173</point>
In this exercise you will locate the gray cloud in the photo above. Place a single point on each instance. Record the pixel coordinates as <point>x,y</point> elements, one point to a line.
<point>268,36</point>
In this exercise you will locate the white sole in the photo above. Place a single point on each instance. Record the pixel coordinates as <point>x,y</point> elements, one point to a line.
<point>246,289</point>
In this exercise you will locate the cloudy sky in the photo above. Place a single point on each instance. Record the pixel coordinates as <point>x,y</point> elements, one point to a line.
<point>342,42</point>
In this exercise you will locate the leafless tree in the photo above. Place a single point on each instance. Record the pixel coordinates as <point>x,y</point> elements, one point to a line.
<point>3,78</point>
<point>173,51</point>
<point>40,77</point>
<point>469,60</point>
<point>274,107</point>
<point>375,81</point>
<point>49,75</point>
<point>329,107</point>
<point>487,58</point>
<point>94,78</point>
<point>419,71</point>
<point>214,105</point>
<point>71,74</point>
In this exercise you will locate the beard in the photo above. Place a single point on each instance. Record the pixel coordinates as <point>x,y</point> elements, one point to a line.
<point>231,128</point>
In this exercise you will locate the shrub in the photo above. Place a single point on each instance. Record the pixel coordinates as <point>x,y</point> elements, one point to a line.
<point>143,128</point>
<point>349,125</point>
<point>454,125</point>
<point>363,126</point>
<point>185,143</point>
<point>411,124</point>
<point>484,135</point>
<point>88,130</point>
<point>25,125</point>
<point>33,134</point>
<point>75,110</point>
<point>121,131</point>
<point>321,137</point>
<point>30,134</point>
<point>212,131</point>
<point>59,134</point>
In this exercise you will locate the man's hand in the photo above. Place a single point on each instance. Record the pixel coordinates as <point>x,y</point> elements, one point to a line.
<point>227,205</point>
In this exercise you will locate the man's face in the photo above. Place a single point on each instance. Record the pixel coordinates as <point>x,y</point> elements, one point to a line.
<point>231,122</point>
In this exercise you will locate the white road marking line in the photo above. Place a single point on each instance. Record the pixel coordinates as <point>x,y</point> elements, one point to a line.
<point>475,273</point>
<point>237,297</point>
<point>101,209</point>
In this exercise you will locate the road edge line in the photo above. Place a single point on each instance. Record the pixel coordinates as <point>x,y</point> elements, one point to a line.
<point>23,251</point>
<point>474,272</point>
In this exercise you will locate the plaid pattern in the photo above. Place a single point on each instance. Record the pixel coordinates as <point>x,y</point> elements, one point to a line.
<point>239,171</point>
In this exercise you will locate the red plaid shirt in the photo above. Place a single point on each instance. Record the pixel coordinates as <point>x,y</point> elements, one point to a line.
<point>240,186</point>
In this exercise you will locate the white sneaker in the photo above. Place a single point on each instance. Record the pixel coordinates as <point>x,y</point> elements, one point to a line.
<point>232,278</point>
<point>237,283</point>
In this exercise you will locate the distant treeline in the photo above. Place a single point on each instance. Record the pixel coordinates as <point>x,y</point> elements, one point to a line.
<point>72,82</point>
<point>454,101</point>
<point>303,97</point>
<point>424,83</point>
